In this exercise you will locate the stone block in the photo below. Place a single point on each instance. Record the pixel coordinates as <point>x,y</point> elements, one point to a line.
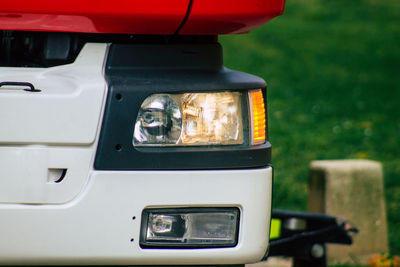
<point>352,189</point>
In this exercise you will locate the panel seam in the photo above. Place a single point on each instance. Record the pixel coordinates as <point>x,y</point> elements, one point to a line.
<point>189,9</point>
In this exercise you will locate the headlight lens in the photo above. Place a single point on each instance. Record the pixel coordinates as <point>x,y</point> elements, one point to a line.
<point>194,119</point>
<point>159,121</point>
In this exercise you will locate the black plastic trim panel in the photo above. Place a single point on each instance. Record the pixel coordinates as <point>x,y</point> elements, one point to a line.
<point>136,71</point>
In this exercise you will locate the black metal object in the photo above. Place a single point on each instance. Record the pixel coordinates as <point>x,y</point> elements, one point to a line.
<point>24,84</point>
<point>136,71</point>
<point>38,49</point>
<point>304,235</point>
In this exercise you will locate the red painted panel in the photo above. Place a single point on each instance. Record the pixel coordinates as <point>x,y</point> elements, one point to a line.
<point>95,16</point>
<point>230,16</point>
<point>137,16</point>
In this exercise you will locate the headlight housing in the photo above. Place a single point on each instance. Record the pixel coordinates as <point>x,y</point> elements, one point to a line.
<point>200,119</point>
<point>135,72</point>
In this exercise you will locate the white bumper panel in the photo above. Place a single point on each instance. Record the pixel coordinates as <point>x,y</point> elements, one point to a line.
<point>28,173</point>
<point>97,227</point>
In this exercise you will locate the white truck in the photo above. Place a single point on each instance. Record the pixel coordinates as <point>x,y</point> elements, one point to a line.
<point>125,141</point>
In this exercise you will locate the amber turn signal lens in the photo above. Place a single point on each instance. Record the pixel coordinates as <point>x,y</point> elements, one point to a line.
<point>258,120</point>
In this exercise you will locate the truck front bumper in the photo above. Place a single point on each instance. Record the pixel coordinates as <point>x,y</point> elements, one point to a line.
<point>102,224</point>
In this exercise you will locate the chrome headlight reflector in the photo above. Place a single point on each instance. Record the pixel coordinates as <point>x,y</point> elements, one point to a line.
<point>190,227</point>
<point>159,121</point>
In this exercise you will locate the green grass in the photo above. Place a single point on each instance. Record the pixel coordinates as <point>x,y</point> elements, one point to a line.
<point>333,73</point>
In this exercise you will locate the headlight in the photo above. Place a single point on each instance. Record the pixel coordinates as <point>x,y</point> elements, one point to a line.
<point>190,227</point>
<point>198,119</point>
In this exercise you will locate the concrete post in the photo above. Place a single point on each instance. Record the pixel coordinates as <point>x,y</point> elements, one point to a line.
<point>352,189</point>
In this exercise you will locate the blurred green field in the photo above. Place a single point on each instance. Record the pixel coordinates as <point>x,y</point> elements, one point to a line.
<point>333,74</point>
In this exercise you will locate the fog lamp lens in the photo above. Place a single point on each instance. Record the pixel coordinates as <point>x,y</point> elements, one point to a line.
<point>194,227</point>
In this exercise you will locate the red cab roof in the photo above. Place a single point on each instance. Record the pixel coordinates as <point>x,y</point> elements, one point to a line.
<point>138,16</point>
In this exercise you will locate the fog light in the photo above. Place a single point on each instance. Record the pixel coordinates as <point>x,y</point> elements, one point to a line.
<point>190,227</point>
